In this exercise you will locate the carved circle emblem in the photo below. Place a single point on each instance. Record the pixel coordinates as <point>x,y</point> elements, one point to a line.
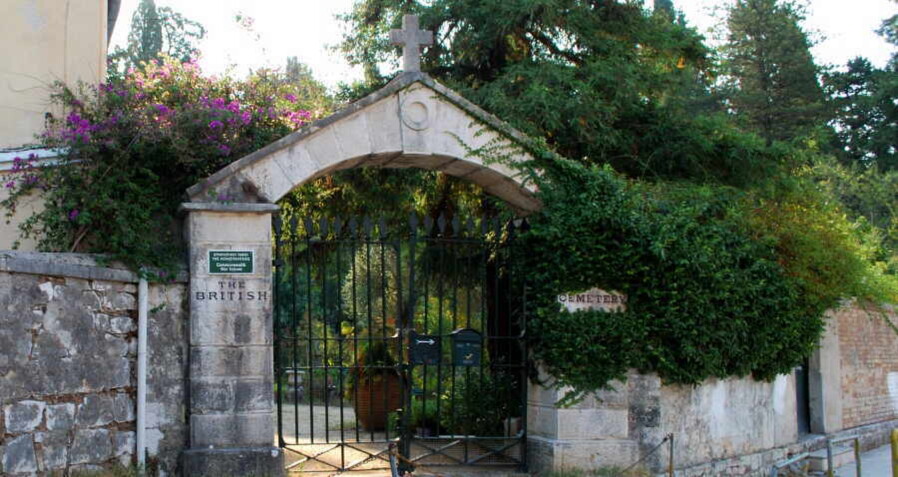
<point>416,115</point>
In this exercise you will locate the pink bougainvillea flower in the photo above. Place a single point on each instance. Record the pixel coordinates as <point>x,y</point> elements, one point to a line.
<point>216,124</point>
<point>290,97</point>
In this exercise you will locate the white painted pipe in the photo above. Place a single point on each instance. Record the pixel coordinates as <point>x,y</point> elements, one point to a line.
<point>142,311</point>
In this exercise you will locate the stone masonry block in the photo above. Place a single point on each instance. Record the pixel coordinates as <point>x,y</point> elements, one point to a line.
<point>121,325</point>
<point>124,301</point>
<point>231,430</point>
<point>123,443</point>
<point>95,411</point>
<point>213,297</point>
<point>60,417</point>
<point>221,361</point>
<point>123,408</point>
<point>229,227</point>
<point>254,395</point>
<point>19,456</point>
<point>593,423</point>
<point>229,328</point>
<point>23,416</point>
<point>211,395</point>
<point>91,446</point>
<point>54,449</point>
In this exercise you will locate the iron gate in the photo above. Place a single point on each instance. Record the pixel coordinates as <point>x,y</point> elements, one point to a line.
<point>408,340</point>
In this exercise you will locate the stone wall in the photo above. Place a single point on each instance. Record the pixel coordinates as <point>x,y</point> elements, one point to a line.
<point>719,420</point>
<point>68,333</point>
<point>869,362</point>
<point>726,418</point>
<point>730,426</point>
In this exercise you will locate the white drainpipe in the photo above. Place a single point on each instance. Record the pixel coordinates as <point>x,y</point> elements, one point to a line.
<point>142,311</point>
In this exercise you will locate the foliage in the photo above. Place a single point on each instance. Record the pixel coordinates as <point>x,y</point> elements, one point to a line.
<point>600,82</point>
<point>870,200</point>
<point>375,360</point>
<point>477,402</point>
<point>728,250</point>
<point>132,146</point>
<point>774,88</point>
<point>720,282</point>
<point>425,415</point>
<point>865,113</point>
<point>156,32</point>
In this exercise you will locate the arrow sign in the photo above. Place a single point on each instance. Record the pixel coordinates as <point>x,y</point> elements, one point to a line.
<point>424,349</point>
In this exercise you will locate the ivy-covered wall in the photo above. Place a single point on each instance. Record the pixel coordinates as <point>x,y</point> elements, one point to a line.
<point>735,426</point>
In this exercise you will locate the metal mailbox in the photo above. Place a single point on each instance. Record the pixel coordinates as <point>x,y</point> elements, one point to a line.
<point>423,349</point>
<point>467,347</point>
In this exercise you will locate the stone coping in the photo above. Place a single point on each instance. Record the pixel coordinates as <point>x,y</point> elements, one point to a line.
<point>244,208</point>
<point>44,156</point>
<point>74,265</point>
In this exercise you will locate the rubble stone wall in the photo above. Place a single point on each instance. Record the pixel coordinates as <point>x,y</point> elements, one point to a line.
<point>68,348</point>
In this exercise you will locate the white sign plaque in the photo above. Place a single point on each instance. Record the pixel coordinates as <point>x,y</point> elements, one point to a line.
<point>594,299</point>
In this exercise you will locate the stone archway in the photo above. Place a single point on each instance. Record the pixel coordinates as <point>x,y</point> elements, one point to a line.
<point>412,122</point>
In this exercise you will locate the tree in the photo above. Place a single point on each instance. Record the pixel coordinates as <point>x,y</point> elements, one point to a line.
<point>600,81</point>
<point>300,76</point>
<point>865,114</point>
<point>772,76</point>
<point>154,32</point>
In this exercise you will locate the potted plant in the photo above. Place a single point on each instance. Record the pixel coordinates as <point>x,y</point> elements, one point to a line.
<point>375,387</point>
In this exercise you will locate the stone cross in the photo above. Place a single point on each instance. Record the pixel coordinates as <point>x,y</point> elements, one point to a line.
<point>411,39</point>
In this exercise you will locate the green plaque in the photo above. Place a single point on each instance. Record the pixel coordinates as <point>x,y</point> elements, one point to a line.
<point>231,262</point>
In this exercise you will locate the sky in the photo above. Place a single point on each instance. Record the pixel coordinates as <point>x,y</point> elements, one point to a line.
<point>307,29</point>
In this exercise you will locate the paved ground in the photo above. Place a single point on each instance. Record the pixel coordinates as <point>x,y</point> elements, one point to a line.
<point>324,429</point>
<point>874,463</point>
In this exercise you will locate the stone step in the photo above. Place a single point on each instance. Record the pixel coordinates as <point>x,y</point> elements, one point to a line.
<point>842,455</point>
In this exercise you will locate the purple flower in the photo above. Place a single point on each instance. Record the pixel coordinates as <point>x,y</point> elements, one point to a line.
<point>234,106</point>
<point>224,149</point>
<point>290,97</point>
<point>162,109</point>
<point>246,116</point>
<point>216,124</point>
<point>218,103</point>
<point>73,214</point>
<point>10,184</point>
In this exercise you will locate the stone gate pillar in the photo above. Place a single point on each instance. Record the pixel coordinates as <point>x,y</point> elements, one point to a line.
<point>231,403</point>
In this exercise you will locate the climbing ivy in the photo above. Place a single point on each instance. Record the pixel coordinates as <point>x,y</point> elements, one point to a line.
<point>711,291</point>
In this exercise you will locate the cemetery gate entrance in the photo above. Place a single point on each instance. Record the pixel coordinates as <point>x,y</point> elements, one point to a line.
<point>398,339</point>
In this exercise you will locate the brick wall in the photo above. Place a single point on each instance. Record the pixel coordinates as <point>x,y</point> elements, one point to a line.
<point>869,350</point>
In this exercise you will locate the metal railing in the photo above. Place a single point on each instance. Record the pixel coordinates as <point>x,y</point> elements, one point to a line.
<point>775,469</point>
<point>830,468</point>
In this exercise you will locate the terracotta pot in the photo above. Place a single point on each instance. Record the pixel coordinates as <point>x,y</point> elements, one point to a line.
<point>371,409</point>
